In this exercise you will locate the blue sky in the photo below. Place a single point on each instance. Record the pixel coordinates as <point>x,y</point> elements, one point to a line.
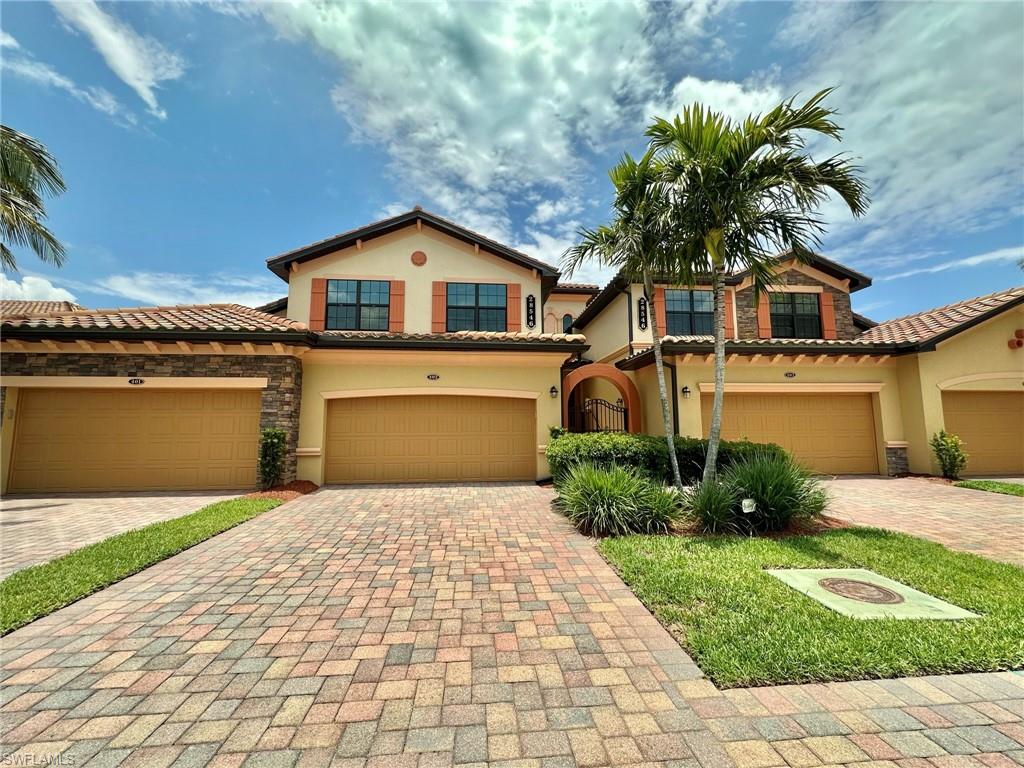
<point>197,140</point>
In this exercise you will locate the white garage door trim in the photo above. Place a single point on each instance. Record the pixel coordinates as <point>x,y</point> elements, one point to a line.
<point>708,387</point>
<point>405,391</point>
<point>147,382</point>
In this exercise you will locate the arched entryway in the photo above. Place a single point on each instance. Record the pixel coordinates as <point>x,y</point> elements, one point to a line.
<point>625,386</point>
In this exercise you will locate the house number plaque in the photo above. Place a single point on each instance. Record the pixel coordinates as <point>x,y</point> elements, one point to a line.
<point>433,376</point>
<point>641,313</point>
<point>531,311</point>
<point>136,382</point>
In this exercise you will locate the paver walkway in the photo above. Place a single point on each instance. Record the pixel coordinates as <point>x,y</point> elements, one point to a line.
<point>427,626</point>
<point>34,529</point>
<point>989,524</point>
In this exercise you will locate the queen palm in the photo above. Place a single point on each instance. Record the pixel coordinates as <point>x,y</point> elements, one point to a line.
<point>735,195</point>
<point>28,174</point>
<point>637,244</point>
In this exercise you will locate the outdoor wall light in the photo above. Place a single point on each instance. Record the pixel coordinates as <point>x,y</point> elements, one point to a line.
<point>553,391</point>
<point>686,393</point>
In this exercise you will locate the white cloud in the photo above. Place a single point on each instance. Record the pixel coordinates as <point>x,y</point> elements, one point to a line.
<point>166,288</point>
<point>735,100</point>
<point>6,41</point>
<point>1002,255</point>
<point>940,141</point>
<point>32,288</point>
<point>37,72</point>
<point>481,106</point>
<point>141,62</point>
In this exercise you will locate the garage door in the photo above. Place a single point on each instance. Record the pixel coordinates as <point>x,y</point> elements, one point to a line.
<point>830,433</point>
<point>422,438</point>
<point>991,424</point>
<point>128,440</point>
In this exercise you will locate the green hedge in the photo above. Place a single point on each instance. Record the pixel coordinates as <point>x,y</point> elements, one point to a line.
<point>646,453</point>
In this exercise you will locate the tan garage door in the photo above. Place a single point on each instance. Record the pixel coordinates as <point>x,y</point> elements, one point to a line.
<point>991,424</point>
<point>423,438</point>
<point>830,433</point>
<point>129,440</point>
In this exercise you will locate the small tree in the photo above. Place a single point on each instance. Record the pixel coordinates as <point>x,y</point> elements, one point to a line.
<point>949,452</point>
<point>272,448</point>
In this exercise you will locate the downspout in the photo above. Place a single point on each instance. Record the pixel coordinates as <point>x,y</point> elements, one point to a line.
<point>629,317</point>
<point>675,396</point>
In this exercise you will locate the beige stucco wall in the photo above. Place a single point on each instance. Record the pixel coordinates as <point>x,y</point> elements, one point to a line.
<point>7,434</point>
<point>647,383</point>
<point>978,359</point>
<point>376,373</point>
<point>558,305</point>
<point>388,258</point>
<point>608,333</point>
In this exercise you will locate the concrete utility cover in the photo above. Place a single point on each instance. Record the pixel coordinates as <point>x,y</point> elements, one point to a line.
<point>864,594</point>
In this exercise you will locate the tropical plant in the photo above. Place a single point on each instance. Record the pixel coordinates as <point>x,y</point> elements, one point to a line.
<point>28,174</point>
<point>272,450</point>
<point>738,195</point>
<point>616,501</point>
<point>637,243</point>
<point>712,505</point>
<point>949,452</point>
<point>780,488</point>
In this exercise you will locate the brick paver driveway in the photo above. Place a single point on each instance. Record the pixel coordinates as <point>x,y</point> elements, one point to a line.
<point>989,524</point>
<point>34,529</point>
<point>416,626</point>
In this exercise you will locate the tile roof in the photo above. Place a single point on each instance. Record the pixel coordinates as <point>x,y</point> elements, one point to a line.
<point>578,287</point>
<point>496,336</point>
<point>18,307</point>
<point>924,326</point>
<point>858,342</point>
<point>194,317</point>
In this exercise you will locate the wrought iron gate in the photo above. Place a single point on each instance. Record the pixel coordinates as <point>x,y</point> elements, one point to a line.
<point>597,415</point>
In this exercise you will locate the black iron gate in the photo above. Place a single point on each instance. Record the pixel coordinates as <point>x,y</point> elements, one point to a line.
<point>597,415</point>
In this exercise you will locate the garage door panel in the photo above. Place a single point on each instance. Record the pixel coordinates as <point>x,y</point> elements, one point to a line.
<point>829,433</point>
<point>429,438</point>
<point>96,440</point>
<point>991,424</point>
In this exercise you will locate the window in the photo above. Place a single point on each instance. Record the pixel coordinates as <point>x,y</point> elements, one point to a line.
<point>795,315</point>
<point>476,307</point>
<point>689,313</point>
<point>566,323</point>
<point>358,305</point>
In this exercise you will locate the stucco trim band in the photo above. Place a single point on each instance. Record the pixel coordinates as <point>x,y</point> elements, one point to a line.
<point>1017,377</point>
<point>399,391</point>
<point>707,387</point>
<point>147,382</point>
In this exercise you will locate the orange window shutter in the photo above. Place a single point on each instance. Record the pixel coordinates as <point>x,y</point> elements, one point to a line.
<point>764,318</point>
<point>318,304</point>
<point>730,325</point>
<point>514,315</point>
<point>828,315</point>
<point>396,307</point>
<point>659,311</point>
<point>437,307</point>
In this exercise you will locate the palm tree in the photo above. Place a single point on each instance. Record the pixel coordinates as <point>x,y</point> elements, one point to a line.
<point>28,173</point>
<point>635,243</point>
<point>736,194</point>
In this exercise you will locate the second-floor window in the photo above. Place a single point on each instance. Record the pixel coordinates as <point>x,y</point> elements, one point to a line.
<point>566,323</point>
<point>689,313</point>
<point>476,307</point>
<point>795,315</point>
<point>357,305</point>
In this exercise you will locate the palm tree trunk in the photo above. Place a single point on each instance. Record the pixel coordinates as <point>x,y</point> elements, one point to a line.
<point>715,432</point>
<point>659,367</point>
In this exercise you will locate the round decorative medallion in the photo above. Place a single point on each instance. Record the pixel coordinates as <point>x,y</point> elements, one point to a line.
<point>419,258</point>
<point>864,591</point>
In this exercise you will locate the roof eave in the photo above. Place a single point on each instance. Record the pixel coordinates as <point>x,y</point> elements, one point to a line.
<point>568,347</point>
<point>152,334</point>
<point>646,358</point>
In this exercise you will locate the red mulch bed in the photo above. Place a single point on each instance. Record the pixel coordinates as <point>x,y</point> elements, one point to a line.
<point>797,528</point>
<point>286,492</point>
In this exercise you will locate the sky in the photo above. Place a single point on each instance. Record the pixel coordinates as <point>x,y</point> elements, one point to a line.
<point>199,139</point>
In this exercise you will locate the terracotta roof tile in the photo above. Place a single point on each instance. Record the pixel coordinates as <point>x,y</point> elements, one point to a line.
<point>924,326</point>
<point>195,317</point>
<point>578,287</point>
<point>18,307</point>
<point>568,338</point>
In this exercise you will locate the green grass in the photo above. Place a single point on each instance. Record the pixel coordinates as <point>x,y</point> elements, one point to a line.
<point>745,627</point>
<point>1010,489</point>
<point>42,589</point>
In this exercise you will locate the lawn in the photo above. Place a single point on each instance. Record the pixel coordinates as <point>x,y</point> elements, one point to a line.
<point>745,627</point>
<point>42,589</point>
<point>995,486</point>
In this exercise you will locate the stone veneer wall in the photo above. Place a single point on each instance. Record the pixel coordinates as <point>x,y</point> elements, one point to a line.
<point>897,462</point>
<point>279,405</point>
<point>746,308</point>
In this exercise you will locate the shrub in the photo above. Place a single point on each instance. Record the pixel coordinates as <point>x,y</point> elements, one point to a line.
<point>781,489</point>
<point>713,506</point>
<point>616,501</point>
<point>557,432</point>
<point>949,452</point>
<point>692,451</point>
<point>272,447</point>
<point>644,453</point>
